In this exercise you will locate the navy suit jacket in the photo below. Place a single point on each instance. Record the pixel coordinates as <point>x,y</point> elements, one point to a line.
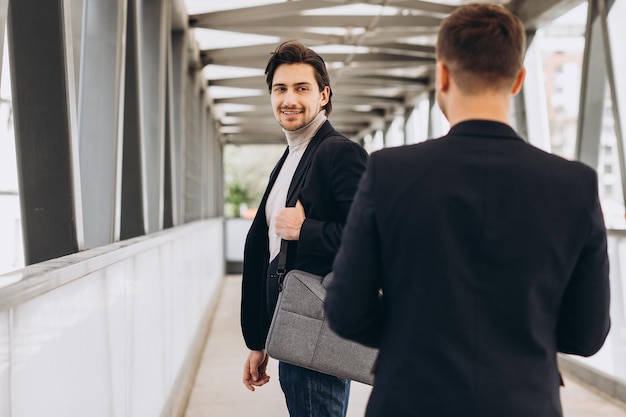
<point>326,194</point>
<point>491,255</point>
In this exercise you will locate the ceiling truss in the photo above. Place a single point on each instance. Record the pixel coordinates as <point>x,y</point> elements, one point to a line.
<point>380,60</point>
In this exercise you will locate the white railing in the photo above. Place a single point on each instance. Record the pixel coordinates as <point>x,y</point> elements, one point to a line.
<point>109,332</point>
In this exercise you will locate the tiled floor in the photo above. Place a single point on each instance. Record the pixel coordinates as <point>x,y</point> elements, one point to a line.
<point>218,391</point>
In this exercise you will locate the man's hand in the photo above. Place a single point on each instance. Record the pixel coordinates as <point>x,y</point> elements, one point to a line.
<point>254,369</point>
<point>289,222</point>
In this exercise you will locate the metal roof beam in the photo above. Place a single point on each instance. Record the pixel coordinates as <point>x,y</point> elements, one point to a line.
<point>244,15</point>
<point>336,21</point>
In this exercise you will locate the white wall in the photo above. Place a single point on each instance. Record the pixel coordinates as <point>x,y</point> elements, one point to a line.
<point>106,332</point>
<point>236,232</point>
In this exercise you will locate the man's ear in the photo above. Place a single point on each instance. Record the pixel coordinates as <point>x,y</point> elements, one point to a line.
<point>519,80</point>
<point>325,93</point>
<point>443,77</point>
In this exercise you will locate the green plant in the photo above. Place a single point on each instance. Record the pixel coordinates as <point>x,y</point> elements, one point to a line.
<point>237,195</point>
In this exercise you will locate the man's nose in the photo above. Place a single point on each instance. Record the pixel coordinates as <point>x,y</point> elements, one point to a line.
<point>289,98</point>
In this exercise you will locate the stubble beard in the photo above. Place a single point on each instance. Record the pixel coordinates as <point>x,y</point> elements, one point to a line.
<point>294,124</point>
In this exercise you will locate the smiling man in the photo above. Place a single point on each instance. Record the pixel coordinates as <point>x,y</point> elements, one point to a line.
<point>300,94</point>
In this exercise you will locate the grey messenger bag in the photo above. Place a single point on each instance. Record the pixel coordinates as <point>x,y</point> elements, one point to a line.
<point>299,333</point>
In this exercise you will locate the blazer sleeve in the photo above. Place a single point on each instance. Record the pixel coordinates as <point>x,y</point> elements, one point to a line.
<point>254,316</point>
<point>345,166</point>
<point>584,320</point>
<point>353,305</point>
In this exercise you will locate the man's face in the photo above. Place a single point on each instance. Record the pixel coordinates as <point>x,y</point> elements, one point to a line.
<point>295,95</point>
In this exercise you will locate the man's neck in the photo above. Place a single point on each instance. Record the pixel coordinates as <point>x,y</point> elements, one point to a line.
<point>487,106</point>
<point>305,133</point>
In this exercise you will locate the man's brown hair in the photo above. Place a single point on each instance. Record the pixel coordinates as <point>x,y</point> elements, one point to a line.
<point>483,46</point>
<point>294,52</point>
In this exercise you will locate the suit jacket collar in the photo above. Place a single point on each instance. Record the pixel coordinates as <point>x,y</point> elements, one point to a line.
<point>484,128</point>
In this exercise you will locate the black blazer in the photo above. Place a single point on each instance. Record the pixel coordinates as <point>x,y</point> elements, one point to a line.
<point>491,255</point>
<point>326,195</point>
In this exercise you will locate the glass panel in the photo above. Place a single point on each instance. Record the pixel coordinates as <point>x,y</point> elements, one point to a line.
<point>440,125</point>
<point>614,178</point>
<point>609,178</point>
<point>374,142</point>
<point>611,358</point>
<point>395,133</point>
<point>11,248</point>
<point>617,33</point>
<point>561,48</point>
<point>417,125</point>
<point>246,172</point>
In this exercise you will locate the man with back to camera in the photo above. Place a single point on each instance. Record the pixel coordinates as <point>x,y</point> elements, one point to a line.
<point>300,94</point>
<point>490,253</point>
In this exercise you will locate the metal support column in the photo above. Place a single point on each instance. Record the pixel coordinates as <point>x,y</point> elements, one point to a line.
<point>218,171</point>
<point>180,65</point>
<point>592,91</point>
<point>409,132</point>
<point>169,161</point>
<point>213,171</point>
<point>132,222</point>
<point>193,147</point>
<point>205,156</point>
<point>385,130</point>
<point>42,73</point>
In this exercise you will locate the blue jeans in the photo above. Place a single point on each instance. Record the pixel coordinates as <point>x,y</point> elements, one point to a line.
<point>313,394</point>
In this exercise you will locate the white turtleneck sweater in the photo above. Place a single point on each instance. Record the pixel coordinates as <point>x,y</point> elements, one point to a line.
<point>297,140</point>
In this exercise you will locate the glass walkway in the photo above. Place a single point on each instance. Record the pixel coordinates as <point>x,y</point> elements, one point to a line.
<point>126,128</point>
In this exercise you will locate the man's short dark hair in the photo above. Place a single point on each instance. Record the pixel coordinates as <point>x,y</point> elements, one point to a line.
<point>294,52</point>
<point>483,46</point>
